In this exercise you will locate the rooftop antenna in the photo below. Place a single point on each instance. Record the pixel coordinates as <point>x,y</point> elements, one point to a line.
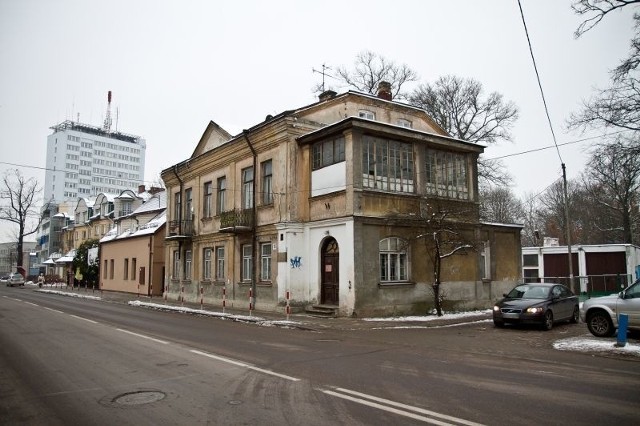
<point>324,67</point>
<point>107,120</point>
<point>117,117</point>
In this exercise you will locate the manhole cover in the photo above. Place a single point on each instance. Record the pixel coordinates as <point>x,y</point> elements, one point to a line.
<point>139,398</point>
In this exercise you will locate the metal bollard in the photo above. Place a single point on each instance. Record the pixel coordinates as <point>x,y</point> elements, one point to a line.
<point>623,324</point>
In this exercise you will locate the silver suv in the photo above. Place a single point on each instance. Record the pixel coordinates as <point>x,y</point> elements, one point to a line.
<point>601,313</point>
<point>15,279</point>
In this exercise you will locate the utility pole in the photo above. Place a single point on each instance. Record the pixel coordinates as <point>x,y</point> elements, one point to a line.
<point>566,217</point>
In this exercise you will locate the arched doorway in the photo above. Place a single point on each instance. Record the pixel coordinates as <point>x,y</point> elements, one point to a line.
<point>330,267</point>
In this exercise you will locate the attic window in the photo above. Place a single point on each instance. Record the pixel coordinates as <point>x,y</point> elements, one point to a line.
<point>404,123</point>
<point>366,114</point>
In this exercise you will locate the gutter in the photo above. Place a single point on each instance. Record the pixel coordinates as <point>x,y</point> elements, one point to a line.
<point>254,249</point>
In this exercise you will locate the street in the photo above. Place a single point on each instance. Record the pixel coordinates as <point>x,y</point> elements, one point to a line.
<point>74,361</point>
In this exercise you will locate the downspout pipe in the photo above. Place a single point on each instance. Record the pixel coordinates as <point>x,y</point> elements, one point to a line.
<point>254,249</point>
<point>175,172</point>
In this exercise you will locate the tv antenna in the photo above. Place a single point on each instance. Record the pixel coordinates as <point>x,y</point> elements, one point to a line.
<point>324,74</point>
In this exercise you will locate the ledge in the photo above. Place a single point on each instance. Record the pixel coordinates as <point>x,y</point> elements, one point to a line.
<point>397,284</point>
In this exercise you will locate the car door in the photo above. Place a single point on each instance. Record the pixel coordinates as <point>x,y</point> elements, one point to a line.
<point>563,304</point>
<point>630,304</point>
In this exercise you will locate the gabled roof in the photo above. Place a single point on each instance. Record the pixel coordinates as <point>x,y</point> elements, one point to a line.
<point>213,136</point>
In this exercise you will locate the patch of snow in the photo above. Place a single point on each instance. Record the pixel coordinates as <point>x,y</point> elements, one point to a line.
<point>583,344</point>
<point>70,294</point>
<point>434,317</point>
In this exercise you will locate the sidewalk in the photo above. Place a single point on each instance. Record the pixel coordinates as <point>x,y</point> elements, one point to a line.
<point>299,320</point>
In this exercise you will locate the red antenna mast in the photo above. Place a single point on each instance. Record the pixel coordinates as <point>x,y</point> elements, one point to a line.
<point>107,120</point>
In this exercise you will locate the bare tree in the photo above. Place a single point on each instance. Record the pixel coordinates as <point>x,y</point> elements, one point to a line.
<point>459,106</point>
<point>20,195</point>
<point>532,232</point>
<point>613,180</point>
<point>369,69</point>
<point>552,210</point>
<point>618,105</point>
<point>443,238</point>
<point>499,204</point>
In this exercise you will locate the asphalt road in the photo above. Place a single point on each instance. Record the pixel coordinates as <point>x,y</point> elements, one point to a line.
<point>75,361</point>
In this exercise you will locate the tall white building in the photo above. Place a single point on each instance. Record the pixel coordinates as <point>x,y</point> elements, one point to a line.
<point>85,160</point>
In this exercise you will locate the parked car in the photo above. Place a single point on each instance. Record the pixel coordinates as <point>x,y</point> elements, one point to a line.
<point>537,303</point>
<point>602,313</point>
<point>15,279</point>
<point>4,279</point>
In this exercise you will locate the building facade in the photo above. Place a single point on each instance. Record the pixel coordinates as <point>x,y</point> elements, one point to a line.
<point>330,205</point>
<point>9,257</point>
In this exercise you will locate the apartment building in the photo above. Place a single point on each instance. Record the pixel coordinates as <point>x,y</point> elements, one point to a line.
<point>326,206</point>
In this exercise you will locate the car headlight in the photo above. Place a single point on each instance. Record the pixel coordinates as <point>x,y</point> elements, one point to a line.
<point>534,310</point>
<point>496,308</point>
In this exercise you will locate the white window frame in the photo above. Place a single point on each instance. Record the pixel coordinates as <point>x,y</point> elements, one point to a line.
<point>176,264</point>
<point>206,264</point>
<point>220,263</point>
<point>187,264</point>
<point>369,115</point>
<point>247,262</point>
<point>265,261</point>
<point>394,260</point>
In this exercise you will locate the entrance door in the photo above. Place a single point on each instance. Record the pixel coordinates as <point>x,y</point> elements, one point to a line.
<point>330,272</point>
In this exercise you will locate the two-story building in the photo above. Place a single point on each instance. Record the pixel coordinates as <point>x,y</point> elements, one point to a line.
<point>327,205</point>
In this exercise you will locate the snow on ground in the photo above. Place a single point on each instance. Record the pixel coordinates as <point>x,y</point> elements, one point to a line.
<point>575,344</point>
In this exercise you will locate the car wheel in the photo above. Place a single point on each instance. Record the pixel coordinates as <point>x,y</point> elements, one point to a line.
<point>499,324</point>
<point>548,320</point>
<point>599,324</point>
<point>576,315</point>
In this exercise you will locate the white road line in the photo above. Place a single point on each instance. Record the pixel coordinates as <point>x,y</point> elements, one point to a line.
<point>53,310</point>
<point>242,364</point>
<point>143,336</point>
<point>32,304</point>
<point>83,319</point>
<point>405,408</point>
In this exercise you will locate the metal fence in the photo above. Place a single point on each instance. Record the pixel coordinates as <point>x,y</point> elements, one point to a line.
<point>592,285</point>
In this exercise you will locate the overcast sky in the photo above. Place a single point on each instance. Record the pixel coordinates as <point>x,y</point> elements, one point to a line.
<point>174,65</point>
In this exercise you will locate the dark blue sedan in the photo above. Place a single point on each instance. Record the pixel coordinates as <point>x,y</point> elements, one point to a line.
<point>537,303</point>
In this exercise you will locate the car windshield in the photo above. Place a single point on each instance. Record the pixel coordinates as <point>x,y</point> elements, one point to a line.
<point>529,291</point>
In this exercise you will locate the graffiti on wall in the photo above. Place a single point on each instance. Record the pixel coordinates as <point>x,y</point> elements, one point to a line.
<point>296,262</point>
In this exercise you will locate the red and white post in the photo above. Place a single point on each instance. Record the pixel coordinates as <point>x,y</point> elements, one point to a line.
<point>288,307</point>
<point>250,301</point>
<point>224,298</point>
<point>201,297</point>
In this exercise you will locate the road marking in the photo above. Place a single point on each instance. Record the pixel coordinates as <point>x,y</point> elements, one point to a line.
<point>53,310</point>
<point>143,336</point>
<point>403,409</point>
<point>32,304</point>
<point>242,364</point>
<point>83,319</point>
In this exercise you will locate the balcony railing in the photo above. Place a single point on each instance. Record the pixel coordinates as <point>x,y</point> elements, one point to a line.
<point>236,220</point>
<point>182,228</point>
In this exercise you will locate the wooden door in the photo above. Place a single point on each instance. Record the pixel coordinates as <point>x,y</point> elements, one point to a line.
<point>330,265</point>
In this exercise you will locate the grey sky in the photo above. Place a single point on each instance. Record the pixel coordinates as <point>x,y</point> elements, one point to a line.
<point>174,65</point>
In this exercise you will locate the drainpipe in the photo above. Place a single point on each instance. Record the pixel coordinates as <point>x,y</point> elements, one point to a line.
<point>175,172</point>
<point>254,219</point>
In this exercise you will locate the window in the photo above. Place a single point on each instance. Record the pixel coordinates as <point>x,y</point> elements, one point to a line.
<point>387,165</point>
<point>188,208</point>
<point>529,260</point>
<point>222,187</point>
<point>267,173</point>
<point>247,262</point>
<point>126,269</point>
<point>446,174</point>
<point>328,152</point>
<point>393,260</point>
<point>366,114</point>
<point>404,123</point>
<point>206,205</point>
<point>176,265</point>
<point>206,262</point>
<point>134,262</point>
<point>187,264</point>
<point>265,262</point>
<point>485,261</point>
<point>111,268</point>
<point>104,273</point>
<point>247,188</point>
<point>220,263</point>
<point>177,206</point>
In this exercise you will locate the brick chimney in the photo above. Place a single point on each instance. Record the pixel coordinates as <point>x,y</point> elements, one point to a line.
<point>327,94</point>
<point>141,189</point>
<point>384,90</point>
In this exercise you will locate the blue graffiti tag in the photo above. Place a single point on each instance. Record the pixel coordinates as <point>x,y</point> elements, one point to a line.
<point>296,262</point>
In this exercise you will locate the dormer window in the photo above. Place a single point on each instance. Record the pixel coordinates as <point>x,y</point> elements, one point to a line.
<point>404,123</point>
<point>363,113</point>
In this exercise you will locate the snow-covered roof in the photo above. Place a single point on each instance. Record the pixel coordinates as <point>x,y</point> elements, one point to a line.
<point>157,202</point>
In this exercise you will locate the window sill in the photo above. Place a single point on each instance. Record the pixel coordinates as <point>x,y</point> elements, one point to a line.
<point>206,219</point>
<point>264,284</point>
<point>397,284</point>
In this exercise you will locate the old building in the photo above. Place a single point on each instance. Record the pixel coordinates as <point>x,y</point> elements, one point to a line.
<point>330,205</point>
<point>132,252</point>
